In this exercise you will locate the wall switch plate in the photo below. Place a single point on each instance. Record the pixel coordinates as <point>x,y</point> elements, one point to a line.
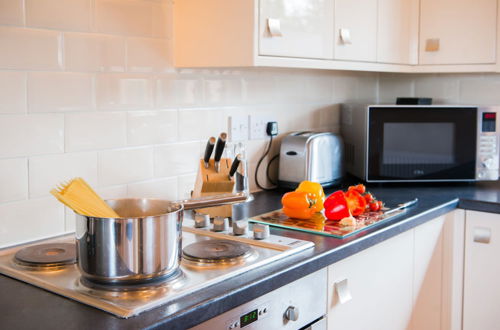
<point>237,127</point>
<point>257,126</point>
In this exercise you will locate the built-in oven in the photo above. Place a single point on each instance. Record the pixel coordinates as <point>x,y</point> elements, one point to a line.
<point>421,143</point>
<point>297,305</point>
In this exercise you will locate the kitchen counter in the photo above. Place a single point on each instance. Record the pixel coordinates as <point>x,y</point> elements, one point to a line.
<point>25,306</point>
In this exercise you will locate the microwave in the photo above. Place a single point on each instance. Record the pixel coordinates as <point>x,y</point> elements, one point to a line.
<point>420,143</point>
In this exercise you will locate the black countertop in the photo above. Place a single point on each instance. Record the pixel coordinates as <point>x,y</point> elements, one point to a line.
<point>23,306</point>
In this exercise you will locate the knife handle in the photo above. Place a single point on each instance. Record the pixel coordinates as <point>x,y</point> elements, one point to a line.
<point>219,147</point>
<point>234,166</point>
<point>208,151</point>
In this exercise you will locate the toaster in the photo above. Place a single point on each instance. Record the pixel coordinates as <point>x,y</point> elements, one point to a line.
<point>310,156</point>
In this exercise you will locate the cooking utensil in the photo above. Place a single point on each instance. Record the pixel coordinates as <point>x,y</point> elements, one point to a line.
<point>143,245</point>
<point>234,166</point>
<point>402,206</point>
<point>219,148</point>
<point>208,151</point>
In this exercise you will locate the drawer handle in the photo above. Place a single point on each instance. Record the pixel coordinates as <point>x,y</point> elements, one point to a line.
<point>343,292</point>
<point>432,45</point>
<point>482,235</point>
<point>345,36</point>
<point>274,26</point>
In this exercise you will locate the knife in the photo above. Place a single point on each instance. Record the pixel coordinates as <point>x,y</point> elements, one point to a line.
<point>208,151</point>
<point>219,148</point>
<point>402,206</point>
<point>234,166</point>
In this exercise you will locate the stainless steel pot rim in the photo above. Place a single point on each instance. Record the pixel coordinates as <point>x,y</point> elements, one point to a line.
<point>178,207</point>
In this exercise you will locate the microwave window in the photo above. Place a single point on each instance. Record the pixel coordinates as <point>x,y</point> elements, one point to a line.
<point>418,143</point>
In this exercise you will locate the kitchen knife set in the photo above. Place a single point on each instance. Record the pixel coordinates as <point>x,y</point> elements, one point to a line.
<point>219,146</point>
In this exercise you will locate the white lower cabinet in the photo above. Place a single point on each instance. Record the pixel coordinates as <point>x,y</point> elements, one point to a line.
<point>410,281</point>
<point>482,271</point>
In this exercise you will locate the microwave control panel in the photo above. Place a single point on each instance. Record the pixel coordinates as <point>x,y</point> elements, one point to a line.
<point>487,149</point>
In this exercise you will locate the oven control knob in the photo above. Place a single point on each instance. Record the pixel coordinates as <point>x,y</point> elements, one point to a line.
<point>201,220</point>
<point>292,313</point>
<point>221,224</point>
<point>260,231</point>
<point>488,162</point>
<point>240,227</point>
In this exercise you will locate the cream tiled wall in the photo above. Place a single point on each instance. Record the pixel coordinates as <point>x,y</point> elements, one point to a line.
<point>88,88</point>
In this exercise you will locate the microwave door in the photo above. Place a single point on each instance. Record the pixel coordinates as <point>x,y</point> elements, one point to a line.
<point>422,144</point>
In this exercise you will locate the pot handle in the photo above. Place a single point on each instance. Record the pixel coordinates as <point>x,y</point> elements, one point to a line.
<point>216,200</point>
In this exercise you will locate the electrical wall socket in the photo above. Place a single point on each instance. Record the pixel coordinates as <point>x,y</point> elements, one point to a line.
<point>237,127</point>
<point>257,126</point>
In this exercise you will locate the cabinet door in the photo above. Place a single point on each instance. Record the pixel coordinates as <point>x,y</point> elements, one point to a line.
<point>356,30</point>
<point>458,31</point>
<point>482,271</point>
<point>379,281</point>
<point>397,31</point>
<point>296,28</point>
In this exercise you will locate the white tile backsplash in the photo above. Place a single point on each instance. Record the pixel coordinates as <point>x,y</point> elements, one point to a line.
<point>151,127</point>
<point>130,17</point>
<point>60,92</point>
<point>125,166</point>
<point>22,135</point>
<point>176,159</point>
<point>13,179</point>
<point>45,172</point>
<point>30,49</point>
<point>96,130</point>
<point>12,92</point>
<point>124,92</point>
<point>163,189</point>
<point>103,53</point>
<point>148,55</point>
<point>11,12</point>
<point>199,124</point>
<point>59,14</point>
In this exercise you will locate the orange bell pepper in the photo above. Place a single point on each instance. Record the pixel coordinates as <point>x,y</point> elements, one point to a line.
<point>299,204</point>
<point>315,188</point>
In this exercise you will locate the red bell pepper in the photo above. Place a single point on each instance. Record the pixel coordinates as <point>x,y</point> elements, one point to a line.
<point>356,202</point>
<point>336,207</point>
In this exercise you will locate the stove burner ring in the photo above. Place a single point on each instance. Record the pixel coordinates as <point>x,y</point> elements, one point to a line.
<point>216,251</point>
<point>43,256</point>
<point>173,279</point>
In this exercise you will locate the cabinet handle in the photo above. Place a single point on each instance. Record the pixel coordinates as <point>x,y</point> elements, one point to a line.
<point>432,45</point>
<point>345,36</point>
<point>274,26</point>
<point>482,235</point>
<point>343,291</point>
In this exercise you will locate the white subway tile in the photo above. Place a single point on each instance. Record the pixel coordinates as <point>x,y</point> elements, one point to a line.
<point>22,135</point>
<point>443,89</point>
<point>59,14</point>
<point>133,18</point>
<point>46,172</point>
<point>148,55</point>
<point>201,124</point>
<point>28,49</point>
<point>179,90</point>
<point>13,179</point>
<point>97,130</point>
<point>11,12</point>
<point>29,220</point>
<point>60,91</point>
<point>123,91</point>
<point>176,159</point>
<point>226,90</point>
<point>163,20</point>
<point>102,52</point>
<point>392,86</point>
<point>480,90</point>
<point>12,92</point>
<point>125,166</point>
<point>163,188</point>
<point>151,127</point>
<point>185,185</point>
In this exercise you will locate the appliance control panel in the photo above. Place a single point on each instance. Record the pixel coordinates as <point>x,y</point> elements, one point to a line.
<point>249,317</point>
<point>487,144</point>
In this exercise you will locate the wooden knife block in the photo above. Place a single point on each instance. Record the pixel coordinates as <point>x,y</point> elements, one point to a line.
<point>212,183</point>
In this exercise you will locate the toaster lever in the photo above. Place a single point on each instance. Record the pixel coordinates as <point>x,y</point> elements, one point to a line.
<point>291,153</point>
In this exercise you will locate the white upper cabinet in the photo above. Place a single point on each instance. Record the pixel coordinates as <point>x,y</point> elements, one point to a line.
<point>397,31</point>
<point>458,31</point>
<point>356,30</point>
<point>293,28</point>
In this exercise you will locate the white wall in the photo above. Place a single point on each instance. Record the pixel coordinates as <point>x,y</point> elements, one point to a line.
<point>87,88</point>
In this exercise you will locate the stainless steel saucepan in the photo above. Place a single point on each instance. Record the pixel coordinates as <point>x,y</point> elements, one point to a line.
<point>143,245</point>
